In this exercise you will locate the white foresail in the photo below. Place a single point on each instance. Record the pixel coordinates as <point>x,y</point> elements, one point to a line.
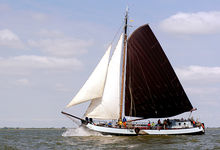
<point>107,107</point>
<point>94,86</point>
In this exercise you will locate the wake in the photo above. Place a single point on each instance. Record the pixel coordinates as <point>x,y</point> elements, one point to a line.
<point>80,131</point>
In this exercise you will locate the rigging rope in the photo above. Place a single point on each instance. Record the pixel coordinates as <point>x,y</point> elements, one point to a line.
<point>116,34</point>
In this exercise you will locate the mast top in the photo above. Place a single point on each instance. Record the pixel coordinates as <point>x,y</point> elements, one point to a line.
<point>127,10</point>
<point>126,21</point>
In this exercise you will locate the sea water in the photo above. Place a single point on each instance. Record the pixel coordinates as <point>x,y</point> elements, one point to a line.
<point>81,138</point>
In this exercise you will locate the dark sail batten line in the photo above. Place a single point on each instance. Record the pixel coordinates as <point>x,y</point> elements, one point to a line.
<point>156,69</point>
<point>155,88</point>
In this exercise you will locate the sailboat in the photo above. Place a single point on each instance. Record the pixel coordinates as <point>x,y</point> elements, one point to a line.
<point>136,82</point>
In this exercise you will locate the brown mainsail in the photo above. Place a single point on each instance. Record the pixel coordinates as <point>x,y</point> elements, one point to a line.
<point>152,89</point>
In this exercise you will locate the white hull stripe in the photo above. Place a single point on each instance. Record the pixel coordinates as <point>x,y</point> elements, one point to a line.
<point>123,131</point>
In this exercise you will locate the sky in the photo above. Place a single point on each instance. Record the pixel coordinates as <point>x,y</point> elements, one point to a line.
<point>49,48</point>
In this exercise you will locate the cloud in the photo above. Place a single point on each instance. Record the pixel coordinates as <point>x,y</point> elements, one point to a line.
<point>192,23</point>
<point>8,35</point>
<point>25,63</point>
<point>201,83</point>
<point>205,91</point>
<point>22,82</point>
<point>44,33</point>
<point>39,16</point>
<point>10,39</point>
<point>62,88</point>
<point>60,47</point>
<point>199,73</point>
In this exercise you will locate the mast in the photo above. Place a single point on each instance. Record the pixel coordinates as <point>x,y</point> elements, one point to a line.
<point>123,63</point>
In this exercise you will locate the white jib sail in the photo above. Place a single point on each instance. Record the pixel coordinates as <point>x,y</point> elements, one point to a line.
<point>108,106</point>
<point>94,86</point>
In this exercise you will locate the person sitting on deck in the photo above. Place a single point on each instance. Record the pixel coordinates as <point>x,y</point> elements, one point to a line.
<point>91,120</point>
<point>124,122</point>
<point>87,119</point>
<point>159,125</point>
<point>129,124</point>
<point>193,122</point>
<point>158,122</point>
<point>152,125</point>
<point>124,119</point>
<point>149,125</point>
<point>165,124</point>
<point>119,123</point>
<point>109,124</point>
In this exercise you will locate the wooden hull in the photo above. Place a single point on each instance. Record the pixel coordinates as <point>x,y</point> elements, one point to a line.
<point>136,131</point>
